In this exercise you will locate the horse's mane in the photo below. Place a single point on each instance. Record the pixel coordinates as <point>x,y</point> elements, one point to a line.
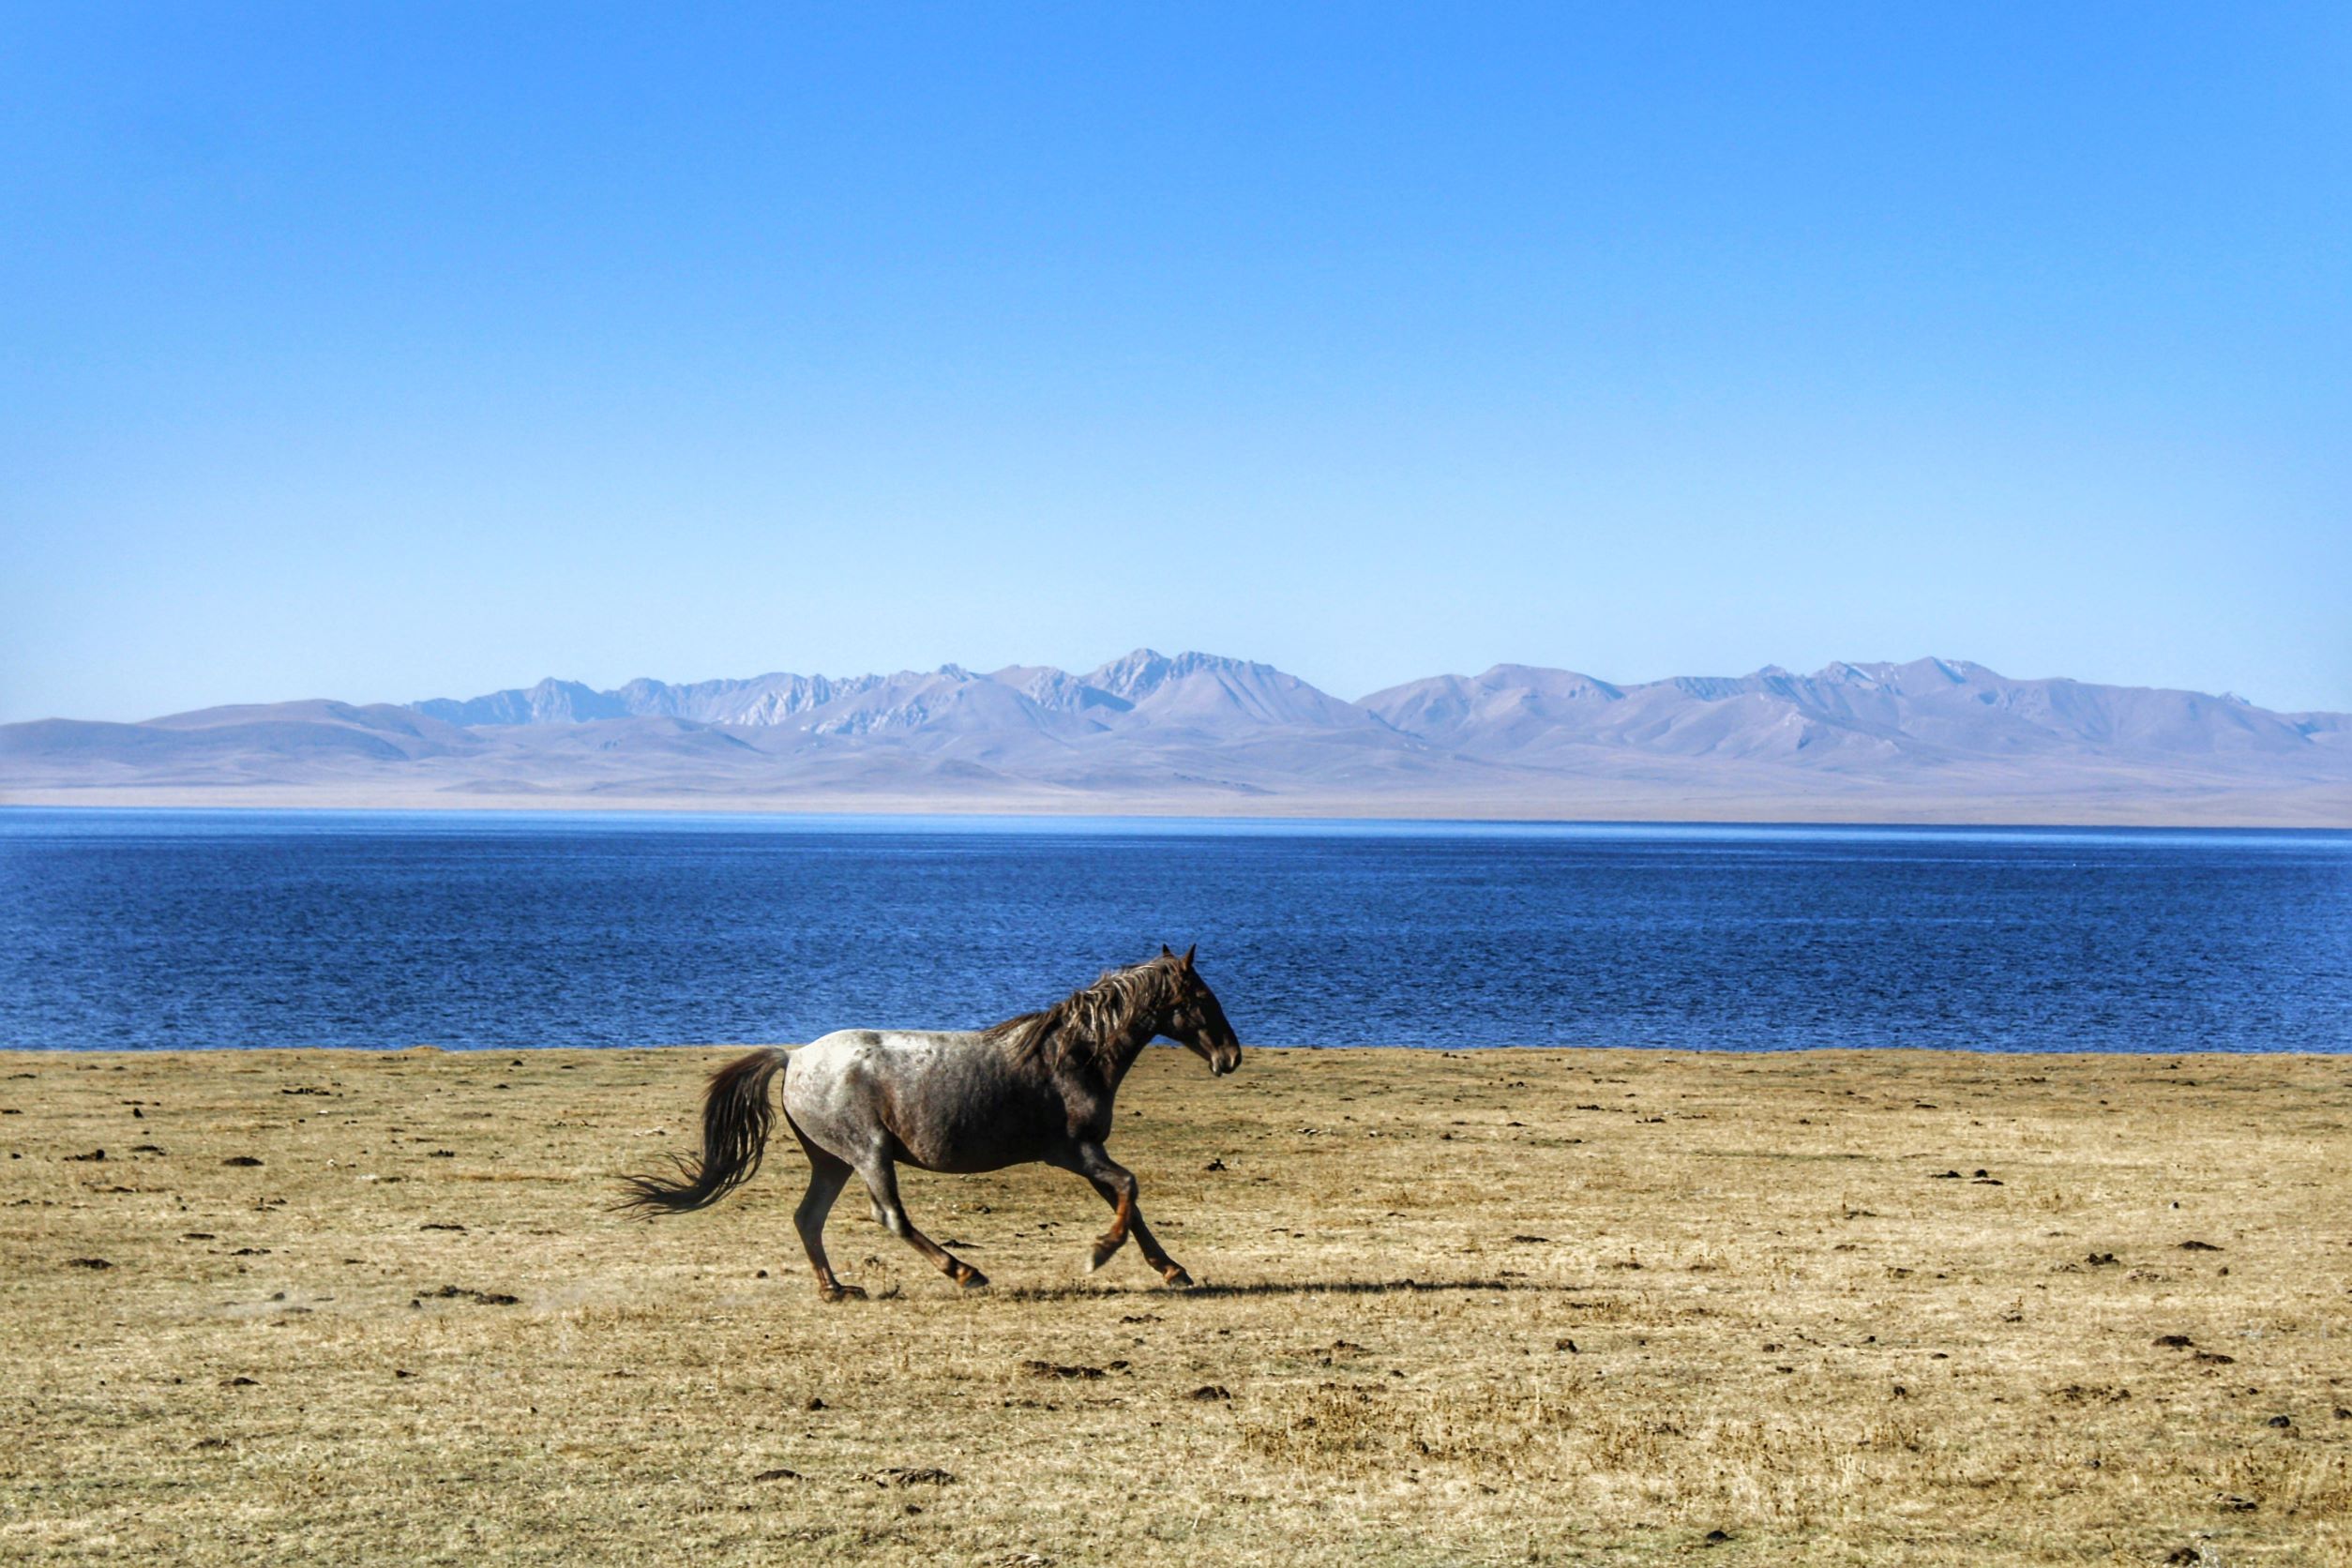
<point>1089,1022</point>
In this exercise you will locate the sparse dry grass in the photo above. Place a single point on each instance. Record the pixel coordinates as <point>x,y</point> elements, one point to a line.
<point>1490,1307</point>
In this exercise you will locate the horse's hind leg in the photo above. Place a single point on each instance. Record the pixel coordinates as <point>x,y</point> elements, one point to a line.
<point>881,1182</point>
<point>826,1174</point>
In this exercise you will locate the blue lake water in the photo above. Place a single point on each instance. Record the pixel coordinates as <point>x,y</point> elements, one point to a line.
<point>140,929</point>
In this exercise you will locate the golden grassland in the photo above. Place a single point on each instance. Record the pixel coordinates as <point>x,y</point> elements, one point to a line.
<point>1489,1307</point>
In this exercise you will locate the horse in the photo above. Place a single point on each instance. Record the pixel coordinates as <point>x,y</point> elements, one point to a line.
<point>1037,1087</point>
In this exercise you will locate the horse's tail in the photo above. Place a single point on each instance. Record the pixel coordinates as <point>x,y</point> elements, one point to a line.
<point>736,1117</point>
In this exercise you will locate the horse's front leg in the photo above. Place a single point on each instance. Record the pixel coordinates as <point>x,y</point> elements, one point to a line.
<point>1118,1186</point>
<point>1149,1245</point>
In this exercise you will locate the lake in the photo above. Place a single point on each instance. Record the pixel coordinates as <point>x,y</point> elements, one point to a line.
<point>124,930</point>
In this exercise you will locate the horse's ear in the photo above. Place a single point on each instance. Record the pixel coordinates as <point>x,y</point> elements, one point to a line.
<point>1188,953</point>
<point>1163,951</point>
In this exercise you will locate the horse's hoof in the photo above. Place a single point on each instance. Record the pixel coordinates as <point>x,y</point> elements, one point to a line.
<point>971,1278</point>
<point>841,1293</point>
<point>1100,1256</point>
<point>1178,1279</point>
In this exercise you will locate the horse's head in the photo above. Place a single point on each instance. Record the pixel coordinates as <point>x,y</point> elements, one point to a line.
<point>1194,1019</point>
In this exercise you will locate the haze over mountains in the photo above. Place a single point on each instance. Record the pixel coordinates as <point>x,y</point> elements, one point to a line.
<point>1930,740</point>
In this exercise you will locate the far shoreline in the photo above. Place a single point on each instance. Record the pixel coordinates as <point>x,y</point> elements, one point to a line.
<point>1147,816</point>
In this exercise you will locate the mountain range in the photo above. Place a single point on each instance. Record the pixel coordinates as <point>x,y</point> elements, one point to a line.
<point>1932,740</point>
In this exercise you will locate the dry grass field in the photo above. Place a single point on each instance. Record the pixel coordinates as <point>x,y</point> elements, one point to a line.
<point>1497,1306</point>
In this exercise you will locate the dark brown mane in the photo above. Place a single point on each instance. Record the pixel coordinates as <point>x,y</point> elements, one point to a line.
<point>1090,1022</point>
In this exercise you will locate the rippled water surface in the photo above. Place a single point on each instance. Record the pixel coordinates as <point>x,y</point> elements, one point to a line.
<point>154,929</point>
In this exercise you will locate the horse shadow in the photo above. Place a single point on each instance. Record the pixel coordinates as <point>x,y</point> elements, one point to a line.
<point>1257,1288</point>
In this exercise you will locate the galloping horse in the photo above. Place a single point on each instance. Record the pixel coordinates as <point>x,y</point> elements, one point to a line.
<point>1036,1087</point>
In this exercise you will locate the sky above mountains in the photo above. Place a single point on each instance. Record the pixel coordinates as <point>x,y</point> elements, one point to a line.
<point>375,351</point>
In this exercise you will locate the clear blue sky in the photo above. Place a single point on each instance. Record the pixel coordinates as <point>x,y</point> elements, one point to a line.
<point>384,352</point>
